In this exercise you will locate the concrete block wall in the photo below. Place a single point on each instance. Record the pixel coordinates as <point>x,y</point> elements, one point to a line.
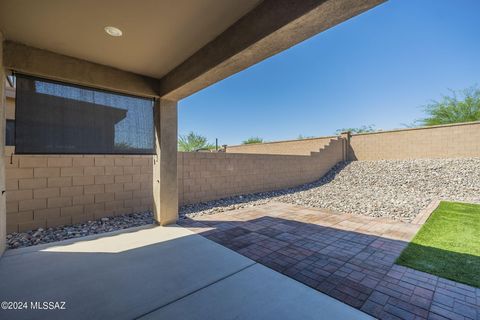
<point>51,190</point>
<point>208,176</point>
<point>444,141</point>
<point>293,147</point>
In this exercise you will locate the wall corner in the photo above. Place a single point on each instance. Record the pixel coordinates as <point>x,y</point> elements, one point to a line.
<point>3,213</point>
<point>345,136</point>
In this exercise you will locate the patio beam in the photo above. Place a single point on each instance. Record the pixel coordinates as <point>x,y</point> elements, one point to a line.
<point>165,185</point>
<point>273,26</point>
<point>42,63</point>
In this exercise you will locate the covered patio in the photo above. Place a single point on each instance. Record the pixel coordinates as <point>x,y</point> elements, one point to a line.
<point>163,51</point>
<point>166,51</point>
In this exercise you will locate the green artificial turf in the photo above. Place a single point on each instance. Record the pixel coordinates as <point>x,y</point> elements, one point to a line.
<point>448,244</point>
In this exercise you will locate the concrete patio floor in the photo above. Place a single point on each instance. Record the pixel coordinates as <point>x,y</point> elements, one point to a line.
<point>348,257</point>
<point>155,273</point>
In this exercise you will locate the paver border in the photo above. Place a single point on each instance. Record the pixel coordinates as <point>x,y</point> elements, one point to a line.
<point>422,217</point>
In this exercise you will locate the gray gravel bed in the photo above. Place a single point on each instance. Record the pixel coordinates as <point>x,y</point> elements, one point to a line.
<point>397,189</point>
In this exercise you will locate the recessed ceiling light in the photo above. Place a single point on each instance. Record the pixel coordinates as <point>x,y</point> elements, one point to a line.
<point>114,32</point>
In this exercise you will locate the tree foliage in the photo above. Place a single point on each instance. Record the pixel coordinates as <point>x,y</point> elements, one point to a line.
<point>362,129</point>
<point>193,142</point>
<point>253,140</point>
<point>459,106</point>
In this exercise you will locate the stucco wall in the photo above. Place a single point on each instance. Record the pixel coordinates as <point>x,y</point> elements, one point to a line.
<point>293,147</point>
<point>447,141</point>
<point>206,176</point>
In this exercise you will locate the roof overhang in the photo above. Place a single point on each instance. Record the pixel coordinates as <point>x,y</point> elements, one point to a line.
<point>240,34</point>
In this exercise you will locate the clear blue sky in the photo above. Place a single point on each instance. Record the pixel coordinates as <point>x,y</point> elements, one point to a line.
<point>378,68</point>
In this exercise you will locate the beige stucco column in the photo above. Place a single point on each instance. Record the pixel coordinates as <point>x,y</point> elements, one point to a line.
<point>3,214</point>
<point>165,188</point>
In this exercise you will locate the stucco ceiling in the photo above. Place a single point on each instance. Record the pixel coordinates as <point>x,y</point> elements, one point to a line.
<point>157,34</point>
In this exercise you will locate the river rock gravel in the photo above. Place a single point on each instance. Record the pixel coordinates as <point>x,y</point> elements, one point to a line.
<point>394,189</point>
<point>39,236</point>
<point>397,189</point>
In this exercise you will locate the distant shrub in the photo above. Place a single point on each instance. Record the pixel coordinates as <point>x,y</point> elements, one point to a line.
<point>362,129</point>
<point>459,106</point>
<point>253,140</point>
<point>193,142</point>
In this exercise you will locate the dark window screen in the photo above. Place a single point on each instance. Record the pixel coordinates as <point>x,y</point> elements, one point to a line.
<point>10,133</point>
<point>53,117</point>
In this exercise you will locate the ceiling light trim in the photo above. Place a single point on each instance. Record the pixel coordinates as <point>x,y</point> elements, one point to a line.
<point>113,31</point>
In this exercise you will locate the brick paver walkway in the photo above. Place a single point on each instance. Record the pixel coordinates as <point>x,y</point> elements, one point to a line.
<point>350,258</point>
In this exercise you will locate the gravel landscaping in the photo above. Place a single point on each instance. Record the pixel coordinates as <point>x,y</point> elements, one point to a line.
<point>397,189</point>
<point>394,189</point>
<point>39,236</point>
